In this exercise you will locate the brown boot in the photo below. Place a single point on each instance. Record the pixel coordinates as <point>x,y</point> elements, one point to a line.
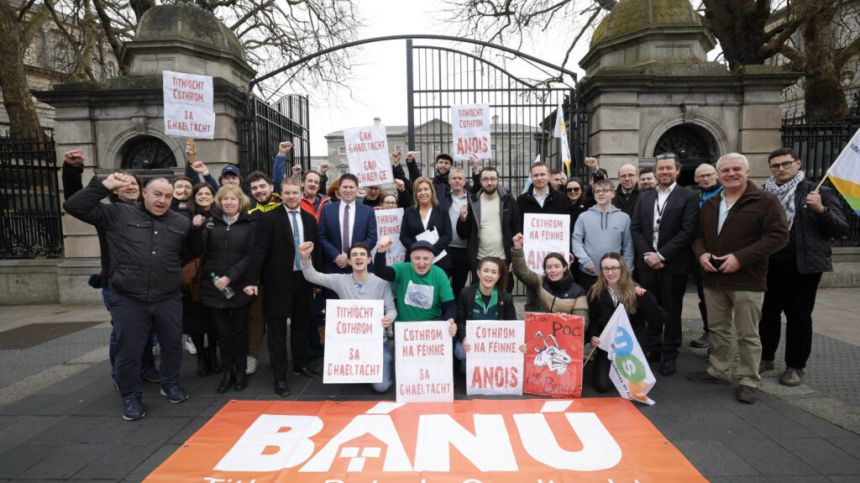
<point>746,394</point>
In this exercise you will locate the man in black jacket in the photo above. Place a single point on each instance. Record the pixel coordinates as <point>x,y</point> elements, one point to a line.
<point>663,227</point>
<point>489,221</point>
<point>277,264</point>
<point>628,189</point>
<point>814,217</point>
<point>541,198</point>
<point>147,243</point>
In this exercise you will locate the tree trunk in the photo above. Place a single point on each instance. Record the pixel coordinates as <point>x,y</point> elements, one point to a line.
<point>739,25</point>
<point>23,119</point>
<point>824,99</point>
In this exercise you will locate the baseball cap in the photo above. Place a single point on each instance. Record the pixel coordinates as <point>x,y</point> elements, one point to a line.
<point>230,169</point>
<point>421,245</point>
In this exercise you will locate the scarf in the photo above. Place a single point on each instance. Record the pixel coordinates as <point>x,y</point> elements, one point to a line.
<point>560,288</point>
<point>785,193</point>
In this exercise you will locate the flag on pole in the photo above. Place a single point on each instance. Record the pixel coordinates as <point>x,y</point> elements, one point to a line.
<point>561,133</point>
<point>629,371</point>
<point>844,173</point>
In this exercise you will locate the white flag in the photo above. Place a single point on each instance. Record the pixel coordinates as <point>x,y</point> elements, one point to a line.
<point>629,370</point>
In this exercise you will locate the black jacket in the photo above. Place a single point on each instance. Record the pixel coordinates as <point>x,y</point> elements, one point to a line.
<point>412,227</point>
<point>226,251</point>
<point>510,220</point>
<point>626,203</point>
<point>147,250</point>
<point>811,232</point>
<point>555,203</point>
<point>600,310</point>
<point>72,183</point>
<point>274,257</point>
<point>678,225</point>
<point>466,301</point>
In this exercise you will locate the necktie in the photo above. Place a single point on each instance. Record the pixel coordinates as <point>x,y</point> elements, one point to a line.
<point>346,241</point>
<point>297,239</point>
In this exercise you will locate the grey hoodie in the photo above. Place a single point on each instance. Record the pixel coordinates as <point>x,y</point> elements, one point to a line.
<point>597,233</point>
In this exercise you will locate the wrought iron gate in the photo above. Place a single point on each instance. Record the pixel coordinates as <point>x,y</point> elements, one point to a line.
<point>523,115</point>
<point>264,126</point>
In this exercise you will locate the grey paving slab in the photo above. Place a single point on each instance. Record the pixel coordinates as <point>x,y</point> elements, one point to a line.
<point>714,458</point>
<point>770,458</point>
<point>63,461</point>
<point>115,462</point>
<point>825,457</point>
<point>142,470</point>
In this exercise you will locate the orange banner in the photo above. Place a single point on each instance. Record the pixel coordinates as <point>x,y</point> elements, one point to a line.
<point>603,439</point>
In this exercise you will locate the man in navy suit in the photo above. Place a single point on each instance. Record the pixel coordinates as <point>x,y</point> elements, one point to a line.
<point>663,228</point>
<point>343,223</point>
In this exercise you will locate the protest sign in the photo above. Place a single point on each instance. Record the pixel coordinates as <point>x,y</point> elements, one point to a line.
<point>188,110</point>
<point>423,352</point>
<point>544,234</point>
<point>388,224</point>
<point>591,440</point>
<point>629,371</point>
<point>470,128</point>
<point>367,154</point>
<point>353,341</point>
<point>553,364</point>
<point>494,363</point>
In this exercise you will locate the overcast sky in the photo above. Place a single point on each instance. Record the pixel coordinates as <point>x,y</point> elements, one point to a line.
<point>378,76</point>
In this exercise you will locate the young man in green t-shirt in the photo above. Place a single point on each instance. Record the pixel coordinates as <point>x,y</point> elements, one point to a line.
<point>423,290</point>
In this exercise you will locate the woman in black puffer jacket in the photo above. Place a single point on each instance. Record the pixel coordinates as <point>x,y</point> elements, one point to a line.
<point>226,240</point>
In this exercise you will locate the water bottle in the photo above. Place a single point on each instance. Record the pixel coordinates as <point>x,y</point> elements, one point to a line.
<point>227,292</point>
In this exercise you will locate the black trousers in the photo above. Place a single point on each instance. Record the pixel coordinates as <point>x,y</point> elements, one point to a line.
<point>460,265</point>
<point>700,289</point>
<point>233,337</point>
<point>665,338</point>
<point>276,330</point>
<point>794,294</point>
<point>133,319</point>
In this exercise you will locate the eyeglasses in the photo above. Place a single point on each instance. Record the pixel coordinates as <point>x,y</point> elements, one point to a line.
<point>611,269</point>
<point>573,190</point>
<point>490,180</point>
<point>602,191</point>
<point>666,156</point>
<point>783,165</point>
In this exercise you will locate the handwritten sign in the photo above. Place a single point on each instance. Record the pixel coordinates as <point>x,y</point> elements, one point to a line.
<point>388,224</point>
<point>553,355</point>
<point>470,127</point>
<point>367,154</point>
<point>494,363</point>
<point>353,341</point>
<point>423,362</point>
<point>543,234</point>
<point>188,110</point>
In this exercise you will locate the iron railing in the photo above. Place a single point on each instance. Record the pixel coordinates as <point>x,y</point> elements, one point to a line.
<point>30,217</point>
<point>265,126</point>
<point>817,144</point>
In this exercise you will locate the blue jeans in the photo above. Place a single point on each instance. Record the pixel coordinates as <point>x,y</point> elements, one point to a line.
<point>133,322</point>
<point>147,360</point>
<point>387,364</point>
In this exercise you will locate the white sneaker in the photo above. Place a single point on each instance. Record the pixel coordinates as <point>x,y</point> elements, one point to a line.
<point>189,344</point>
<point>251,365</point>
<point>156,350</point>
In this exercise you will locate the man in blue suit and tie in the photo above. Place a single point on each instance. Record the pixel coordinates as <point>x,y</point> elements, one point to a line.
<point>343,223</point>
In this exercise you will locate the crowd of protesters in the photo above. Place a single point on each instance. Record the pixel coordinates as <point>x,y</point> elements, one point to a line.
<point>201,257</point>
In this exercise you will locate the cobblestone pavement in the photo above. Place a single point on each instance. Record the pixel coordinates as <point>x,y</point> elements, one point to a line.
<point>60,416</point>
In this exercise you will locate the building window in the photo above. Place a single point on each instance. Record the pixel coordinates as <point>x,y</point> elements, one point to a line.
<point>341,150</point>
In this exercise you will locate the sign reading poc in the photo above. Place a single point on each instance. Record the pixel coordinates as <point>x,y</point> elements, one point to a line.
<point>604,439</point>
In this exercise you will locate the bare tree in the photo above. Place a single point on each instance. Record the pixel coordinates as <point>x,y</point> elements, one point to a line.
<point>750,32</point>
<point>272,33</point>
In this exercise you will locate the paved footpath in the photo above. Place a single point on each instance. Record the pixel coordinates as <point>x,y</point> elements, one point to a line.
<point>60,416</point>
